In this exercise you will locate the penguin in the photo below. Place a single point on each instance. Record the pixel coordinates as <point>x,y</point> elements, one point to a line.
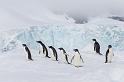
<point>45,51</point>
<point>96,47</point>
<point>28,51</point>
<point>65,54</point>
<point>54,53</point>
<point>77,60</point>
<point>109,54</point>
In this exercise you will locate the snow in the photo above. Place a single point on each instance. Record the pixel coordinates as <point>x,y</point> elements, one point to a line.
<point>15,67</point>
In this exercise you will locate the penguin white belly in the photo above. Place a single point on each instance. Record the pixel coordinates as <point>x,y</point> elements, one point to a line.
<point>110,55</point>
<point>62,58</point>
<point>77,60</point>
<point>41,52</point>
<point>52,55</point>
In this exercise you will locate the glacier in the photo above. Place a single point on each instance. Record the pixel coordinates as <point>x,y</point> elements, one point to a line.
<point>68,36</point>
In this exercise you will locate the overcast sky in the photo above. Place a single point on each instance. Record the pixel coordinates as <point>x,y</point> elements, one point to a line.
<point>86,7</point>
<point>74,7</point>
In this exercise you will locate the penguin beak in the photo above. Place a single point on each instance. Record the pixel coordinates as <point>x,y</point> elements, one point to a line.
<point>24,45</point>
<point>37,41</point>
<point>94,39</point>
<point>60,48</point>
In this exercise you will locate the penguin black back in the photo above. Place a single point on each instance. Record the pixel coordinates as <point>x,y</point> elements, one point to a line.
<point>28,51</point>
<point>66,56</point>
<point>54,52</point>
<point>26,48</point>
<point>44,48</point>
<point>96,47</point>
<point>109,46</point>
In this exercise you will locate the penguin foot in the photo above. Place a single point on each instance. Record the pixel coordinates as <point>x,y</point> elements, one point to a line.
<point>98,53</point>
<point>48,57</point>
<point>105,62</point>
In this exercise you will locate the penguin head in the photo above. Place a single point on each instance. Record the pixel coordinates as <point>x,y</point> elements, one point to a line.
<point>24,45</point>
<point>109,46</point>
<point>94,39</point>
<point>76,50</point>
<point>50,46</point>
<point>38,41</point>
<point>61,48</point>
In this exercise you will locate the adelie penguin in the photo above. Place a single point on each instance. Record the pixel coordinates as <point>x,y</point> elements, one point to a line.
<point>28,51</point>
<point>45,51</point>
<point>54,54</point>
<point>96,47</point>
<point>109,54</point>
<point>64,55</point>
<point>77,60</point>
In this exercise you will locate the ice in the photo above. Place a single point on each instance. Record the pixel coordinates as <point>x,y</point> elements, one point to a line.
<point>68,36</point>
<point>15,67</point>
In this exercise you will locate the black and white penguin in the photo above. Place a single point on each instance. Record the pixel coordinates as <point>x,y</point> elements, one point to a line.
<point>45,51</point>
<point>64,55</point>
<point>28,51</point>
<point>96,47</point>
<point>54,54</point>
<point>109,54</point>
<point>77,60</point>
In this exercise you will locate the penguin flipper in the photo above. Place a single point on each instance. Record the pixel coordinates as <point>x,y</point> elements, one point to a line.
<point>100,54</point>
<point>82,59</point>
<point>72,59</point>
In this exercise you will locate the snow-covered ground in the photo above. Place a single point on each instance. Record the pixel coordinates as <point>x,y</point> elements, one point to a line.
<point>14,67</point>
<point>27,21</point>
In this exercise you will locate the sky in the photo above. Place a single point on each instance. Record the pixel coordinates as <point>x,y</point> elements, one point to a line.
<point>72,7</point>
<point>34,12</point>
<point>86,7</point>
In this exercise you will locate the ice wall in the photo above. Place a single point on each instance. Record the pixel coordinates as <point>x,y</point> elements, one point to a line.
<point>68,36</point>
